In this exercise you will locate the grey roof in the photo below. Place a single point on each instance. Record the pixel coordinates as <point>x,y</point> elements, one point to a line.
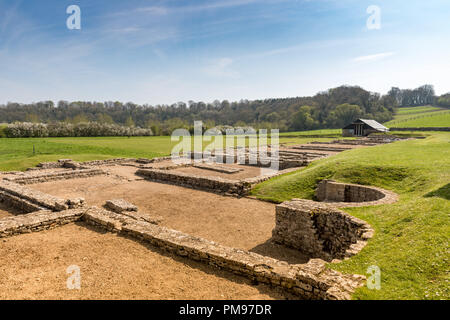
<point>374,124</point>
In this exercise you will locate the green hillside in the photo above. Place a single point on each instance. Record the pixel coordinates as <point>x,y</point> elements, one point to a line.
<point>425,116</point>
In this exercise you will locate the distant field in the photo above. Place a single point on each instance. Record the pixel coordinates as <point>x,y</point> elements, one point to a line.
<point>426,116</point>
<point>321,132</point>
<point>17,153</point>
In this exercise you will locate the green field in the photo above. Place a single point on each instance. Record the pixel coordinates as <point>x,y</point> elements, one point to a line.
<point>17,153</point>
<point>425,116</point>
<point>411,241</point>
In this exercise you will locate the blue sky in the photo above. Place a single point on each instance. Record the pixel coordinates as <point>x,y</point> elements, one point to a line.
<point>165,51</point>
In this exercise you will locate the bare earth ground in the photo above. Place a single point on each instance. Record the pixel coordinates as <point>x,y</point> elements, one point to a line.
<point>33,266</point>
<point>240,223</point>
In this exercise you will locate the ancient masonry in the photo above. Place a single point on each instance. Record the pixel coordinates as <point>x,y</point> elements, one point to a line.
<point>319,229</point>
<point>352,195</point>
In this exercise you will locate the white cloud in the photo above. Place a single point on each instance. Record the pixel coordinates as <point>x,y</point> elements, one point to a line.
<point>210,5</point>
<point>374,57</point>
<point>221,68</point>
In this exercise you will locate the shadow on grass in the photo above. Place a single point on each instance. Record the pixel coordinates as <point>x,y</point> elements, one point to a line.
<point>443,192</point>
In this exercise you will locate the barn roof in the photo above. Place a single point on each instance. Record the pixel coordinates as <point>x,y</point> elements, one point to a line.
<point>374,124</point>
<point>371,123</point>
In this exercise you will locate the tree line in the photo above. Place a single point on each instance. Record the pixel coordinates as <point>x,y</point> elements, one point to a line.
<point>333,108</point>
<point>62,129</point>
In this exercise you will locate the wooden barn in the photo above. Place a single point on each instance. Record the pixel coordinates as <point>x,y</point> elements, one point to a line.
<point>363,127</point>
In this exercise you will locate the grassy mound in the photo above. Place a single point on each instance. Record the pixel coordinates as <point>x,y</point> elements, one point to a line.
<point>411,241</point>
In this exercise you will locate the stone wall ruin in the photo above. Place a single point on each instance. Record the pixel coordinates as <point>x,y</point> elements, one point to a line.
<point>347,195</point>
<point>319,230</point>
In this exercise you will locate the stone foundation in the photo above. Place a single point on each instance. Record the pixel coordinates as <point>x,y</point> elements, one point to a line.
<point>20,195</point>
<point>213,184</point>
<point>66,163</point>
<point>37,221</point>
<point>251,159</point>
<point>217,168</point>
<point>120,205</point>
<point>36,197</point>
<point>312,280</point>
<point>52,176</point>
<point>347,195</point>
<point>319,230</point>
<point>18,203</point>
<point>129,210</point>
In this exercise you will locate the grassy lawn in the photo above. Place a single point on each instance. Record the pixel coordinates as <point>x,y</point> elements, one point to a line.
<point>17,154</point>
<point>411,241</point>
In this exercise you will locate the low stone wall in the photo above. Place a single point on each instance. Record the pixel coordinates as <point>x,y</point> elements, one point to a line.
<point>18,203</point>
<point>217,168</point>
<point>120,205</point>
<point>153,160</point>
<point>321,148</point>
<point>36,197</point>
<point>213,184</point>
<point>37,221</point>
<point>256,180</point>
<point>319,230</point>
<point>309,281</point>
<point>251,159</point>
<point>63,163</point>
<point>59,175</point>
<point>346,194</point>
<point>107,162</point>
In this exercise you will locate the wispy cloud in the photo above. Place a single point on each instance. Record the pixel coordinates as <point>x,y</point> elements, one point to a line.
<point>210,5</point>
<point>221,68</point>
<point>374,57</point>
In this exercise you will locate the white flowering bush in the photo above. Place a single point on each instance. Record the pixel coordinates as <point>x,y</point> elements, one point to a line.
<point>61,129</point>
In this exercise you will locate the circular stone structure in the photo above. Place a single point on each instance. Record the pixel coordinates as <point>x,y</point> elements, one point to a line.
<point>352,195</point>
